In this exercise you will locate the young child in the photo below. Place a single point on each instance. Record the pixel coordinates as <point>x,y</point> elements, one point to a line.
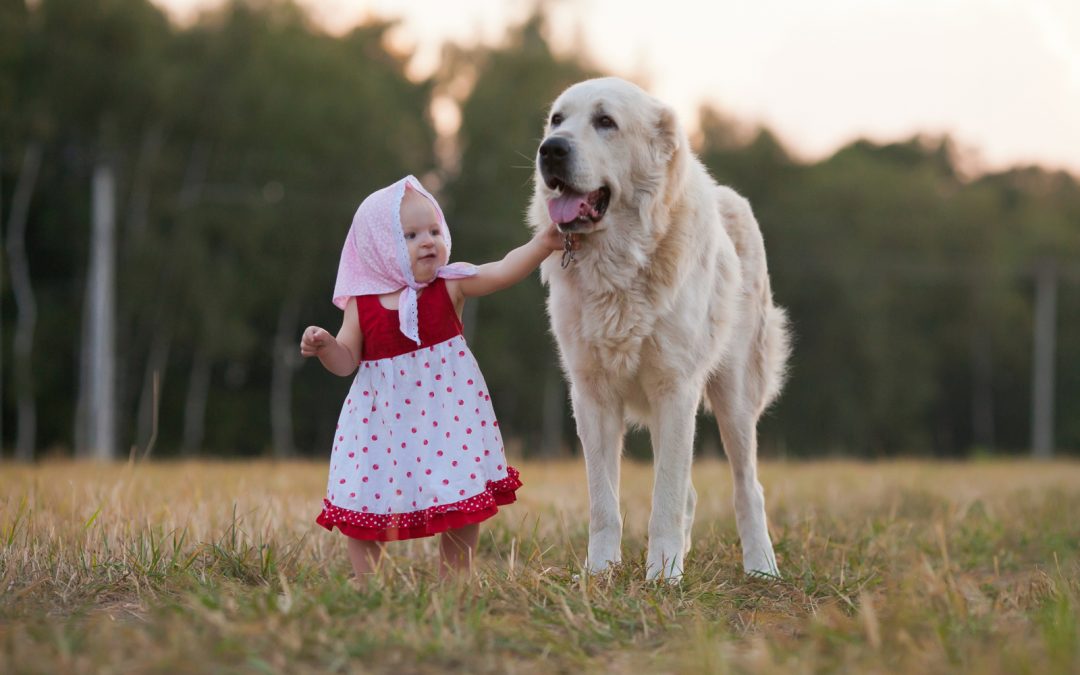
<point>417,450</point>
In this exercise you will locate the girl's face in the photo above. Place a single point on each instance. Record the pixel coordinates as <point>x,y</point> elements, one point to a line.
<point>423,236</point>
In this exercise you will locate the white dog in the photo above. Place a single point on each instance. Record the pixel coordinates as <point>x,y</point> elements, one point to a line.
<point>666,304</point>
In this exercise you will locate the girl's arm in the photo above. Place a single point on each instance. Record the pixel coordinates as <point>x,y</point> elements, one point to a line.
<point>517,265</point>
<point>340,354</point>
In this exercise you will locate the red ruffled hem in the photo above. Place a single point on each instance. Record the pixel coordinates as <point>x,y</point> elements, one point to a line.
<point>424,523</point>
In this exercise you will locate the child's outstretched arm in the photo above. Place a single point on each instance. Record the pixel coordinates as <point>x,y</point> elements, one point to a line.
<point>340,354</point>
<point>514,267</point>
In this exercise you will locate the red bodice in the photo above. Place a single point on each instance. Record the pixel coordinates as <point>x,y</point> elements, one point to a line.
<point>381,329</point>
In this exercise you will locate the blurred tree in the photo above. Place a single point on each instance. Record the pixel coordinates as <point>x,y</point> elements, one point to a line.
<point>23,154</point>
<point>294,128</point>
<point>242,144</point>
<point>752,163</point>
<point>503,103</point>
<point>854,253</point>
<point>83,82</point>
<point>14,19</point>
<point>905,285</point>
<point>241,147</point>
<point>1038,212</point>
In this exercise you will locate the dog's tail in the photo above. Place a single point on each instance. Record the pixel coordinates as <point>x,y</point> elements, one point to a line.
<point>774,350</point>
<point>755,387</point>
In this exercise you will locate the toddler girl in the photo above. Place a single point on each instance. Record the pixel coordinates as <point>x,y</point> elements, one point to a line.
<point>417,449</point>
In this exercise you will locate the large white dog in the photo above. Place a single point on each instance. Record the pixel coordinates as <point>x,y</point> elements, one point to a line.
<point>666,305</point>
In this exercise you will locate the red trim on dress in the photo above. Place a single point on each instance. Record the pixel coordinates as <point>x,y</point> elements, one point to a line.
<point>426,522</point>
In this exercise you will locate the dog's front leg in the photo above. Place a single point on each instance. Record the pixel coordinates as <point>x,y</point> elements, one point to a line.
<point>600,426</point>
<point>672,429</point>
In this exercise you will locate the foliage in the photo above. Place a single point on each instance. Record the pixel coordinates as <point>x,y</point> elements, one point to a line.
<point>503,117</point>
<point>243,143</point>
<point>894,268</point>
<point>241,158</point>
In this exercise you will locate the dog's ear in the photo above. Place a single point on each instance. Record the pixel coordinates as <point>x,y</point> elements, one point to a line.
<point>670,148</point>
<point>669,135</point>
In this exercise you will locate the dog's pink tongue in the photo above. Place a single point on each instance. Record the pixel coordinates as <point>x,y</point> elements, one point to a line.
<point>567,207</point>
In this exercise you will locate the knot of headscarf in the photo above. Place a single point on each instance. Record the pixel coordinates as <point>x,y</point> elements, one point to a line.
<point>375,258</point>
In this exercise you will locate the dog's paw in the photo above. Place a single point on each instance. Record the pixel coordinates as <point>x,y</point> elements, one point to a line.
<point>599,565</point>
<point>604,551</point>
<point>667,568</point>
<point>761,563</point>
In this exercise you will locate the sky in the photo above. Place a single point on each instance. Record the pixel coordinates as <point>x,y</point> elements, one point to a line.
<point>1000,77</point>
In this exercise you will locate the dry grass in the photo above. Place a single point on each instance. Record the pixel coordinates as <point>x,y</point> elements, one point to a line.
<point>196,567</point>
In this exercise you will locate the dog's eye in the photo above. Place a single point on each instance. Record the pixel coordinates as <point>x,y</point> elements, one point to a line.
<point>556,119</point>
<point>605,122</point>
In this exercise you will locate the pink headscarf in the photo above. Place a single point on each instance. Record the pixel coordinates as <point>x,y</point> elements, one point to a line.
<point>375,258</point>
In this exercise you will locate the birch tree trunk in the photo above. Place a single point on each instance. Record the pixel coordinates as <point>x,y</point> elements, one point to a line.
<point>1042,377</point>
<point>26,317</point>
<point>97,393</point>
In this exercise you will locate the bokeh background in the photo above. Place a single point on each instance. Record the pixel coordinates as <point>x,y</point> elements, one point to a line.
<point>176,181</point>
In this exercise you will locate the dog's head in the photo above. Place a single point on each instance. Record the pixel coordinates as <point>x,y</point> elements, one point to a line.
<point>608,152</point>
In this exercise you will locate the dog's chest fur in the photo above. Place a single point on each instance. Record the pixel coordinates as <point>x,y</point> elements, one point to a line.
<point>635,315</point>
<point>606,318</point>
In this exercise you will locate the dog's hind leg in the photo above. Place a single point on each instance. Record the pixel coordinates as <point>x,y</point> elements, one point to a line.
<point>736,404</point>
<point>601,429</point>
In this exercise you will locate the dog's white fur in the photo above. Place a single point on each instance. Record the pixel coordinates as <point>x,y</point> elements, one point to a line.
<point>668,304</point>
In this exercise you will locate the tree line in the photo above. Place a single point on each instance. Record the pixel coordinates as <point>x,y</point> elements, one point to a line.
<point>229,155</point>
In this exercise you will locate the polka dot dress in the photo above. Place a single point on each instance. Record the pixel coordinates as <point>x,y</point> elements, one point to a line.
<point>417,450</point>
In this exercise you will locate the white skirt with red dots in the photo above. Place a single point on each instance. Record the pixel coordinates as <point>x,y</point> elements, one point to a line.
<point>418,449</point>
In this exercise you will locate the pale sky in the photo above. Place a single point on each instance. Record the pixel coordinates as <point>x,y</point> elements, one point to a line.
<point>1002,77</point>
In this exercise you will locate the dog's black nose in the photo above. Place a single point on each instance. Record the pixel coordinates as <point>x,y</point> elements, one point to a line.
<point>554,150</point>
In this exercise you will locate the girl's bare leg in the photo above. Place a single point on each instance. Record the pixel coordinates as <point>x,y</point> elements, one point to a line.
<point>364,555</point>
<point>457,549</point>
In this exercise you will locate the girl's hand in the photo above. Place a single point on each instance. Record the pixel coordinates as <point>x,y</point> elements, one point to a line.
<point>314,340</point>
<point>554,240</point>
<point>514,267</point>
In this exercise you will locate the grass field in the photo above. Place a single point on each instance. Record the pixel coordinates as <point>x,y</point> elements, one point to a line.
<point>219,567</point>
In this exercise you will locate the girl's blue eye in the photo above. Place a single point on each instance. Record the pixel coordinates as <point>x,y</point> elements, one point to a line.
<point>410,235</point>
